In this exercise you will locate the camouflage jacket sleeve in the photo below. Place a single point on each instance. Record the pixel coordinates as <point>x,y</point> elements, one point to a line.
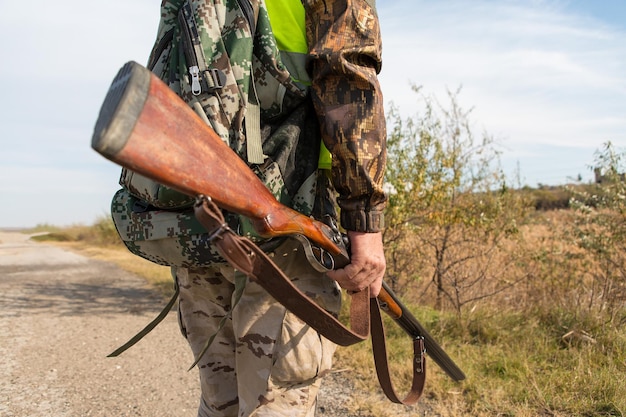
<point>345,58</point>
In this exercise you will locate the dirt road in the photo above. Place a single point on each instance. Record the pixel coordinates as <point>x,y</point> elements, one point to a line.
<point>61,314</point>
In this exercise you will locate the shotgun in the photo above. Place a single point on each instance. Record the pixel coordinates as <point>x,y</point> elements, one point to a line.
<point>144,126</point>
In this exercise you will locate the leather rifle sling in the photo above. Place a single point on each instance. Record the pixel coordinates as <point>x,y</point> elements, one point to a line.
<point>248,258</point>
<point>382,367</point>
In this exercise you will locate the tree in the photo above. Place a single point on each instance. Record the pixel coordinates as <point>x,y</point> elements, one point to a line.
<point>599,229</point>
<point>450,209</point>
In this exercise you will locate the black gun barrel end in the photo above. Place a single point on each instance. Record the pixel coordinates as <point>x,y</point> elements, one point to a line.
<point>121,108</point>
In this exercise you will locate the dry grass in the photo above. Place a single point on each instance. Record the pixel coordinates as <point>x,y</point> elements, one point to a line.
<point>533,351</point>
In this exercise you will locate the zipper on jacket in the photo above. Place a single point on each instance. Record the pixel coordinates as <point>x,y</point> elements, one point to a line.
<point>185,21</point>
<point>202,77</point>
<point>196,87</point>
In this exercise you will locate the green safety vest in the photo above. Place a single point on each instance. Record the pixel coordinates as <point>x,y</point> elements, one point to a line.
<point>288,24</point>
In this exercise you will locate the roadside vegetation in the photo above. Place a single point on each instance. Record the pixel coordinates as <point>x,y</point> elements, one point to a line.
<point>101,241</point>
<point>525,288</point>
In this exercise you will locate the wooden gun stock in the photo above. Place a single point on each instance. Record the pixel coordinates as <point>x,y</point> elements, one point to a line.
<point>144,126</point>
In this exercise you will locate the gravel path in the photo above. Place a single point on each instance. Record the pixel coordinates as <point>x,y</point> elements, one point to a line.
<point>61,314</point>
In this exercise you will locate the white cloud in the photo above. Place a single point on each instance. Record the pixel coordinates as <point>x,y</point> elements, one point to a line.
<point>535,73</point>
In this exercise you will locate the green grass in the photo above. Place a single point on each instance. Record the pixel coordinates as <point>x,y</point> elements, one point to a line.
<point>517,364</point>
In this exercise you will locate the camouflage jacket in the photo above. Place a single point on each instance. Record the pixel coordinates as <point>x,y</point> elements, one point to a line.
<point>345,57</point>
<point>343,37</point>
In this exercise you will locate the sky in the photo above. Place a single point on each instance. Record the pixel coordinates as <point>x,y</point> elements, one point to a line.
<point>545,78</point>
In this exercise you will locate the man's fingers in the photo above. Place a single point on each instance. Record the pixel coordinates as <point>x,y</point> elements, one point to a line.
<point>357,277</point>
<point>349,278</point>
<point>367,265</point>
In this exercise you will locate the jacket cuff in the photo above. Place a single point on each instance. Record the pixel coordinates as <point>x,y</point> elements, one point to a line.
<point>363,221</point>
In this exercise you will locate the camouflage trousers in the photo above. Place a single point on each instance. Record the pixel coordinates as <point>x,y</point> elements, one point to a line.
<point>264,361</point>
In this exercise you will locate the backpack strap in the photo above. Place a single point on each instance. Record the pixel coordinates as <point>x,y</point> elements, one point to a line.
<point>252,120</point>
<point>158,319</point>
<point>254,143</point>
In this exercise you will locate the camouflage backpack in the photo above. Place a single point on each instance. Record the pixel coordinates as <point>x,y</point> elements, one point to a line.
<point>221,57</point>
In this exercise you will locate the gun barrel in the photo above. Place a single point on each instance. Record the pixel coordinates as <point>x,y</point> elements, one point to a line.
<point>392,305</point>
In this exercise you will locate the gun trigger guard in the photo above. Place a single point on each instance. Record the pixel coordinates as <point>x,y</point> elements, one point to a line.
<point>320,260</point>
